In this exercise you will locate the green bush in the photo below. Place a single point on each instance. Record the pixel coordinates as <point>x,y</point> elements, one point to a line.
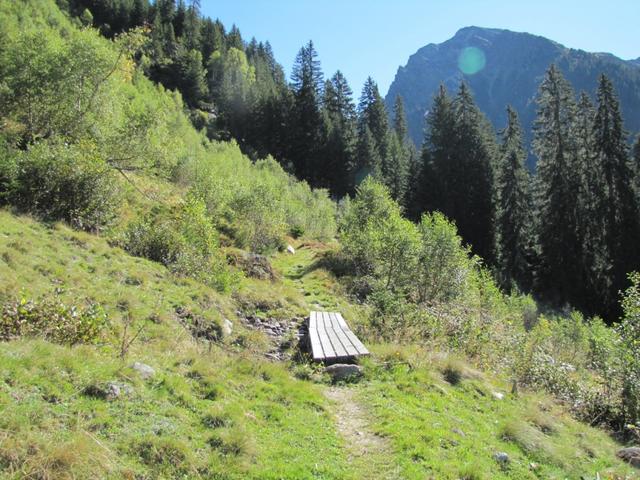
<point>184,240</point>
<point>52,320</point>
<point>57,181</point>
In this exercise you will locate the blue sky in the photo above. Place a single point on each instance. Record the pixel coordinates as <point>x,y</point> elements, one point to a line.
<point>374,37</point>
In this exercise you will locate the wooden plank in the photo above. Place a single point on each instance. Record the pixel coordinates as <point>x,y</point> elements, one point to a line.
<point>348,346</point>
<point>338,347</point>
<point>362,350</point>
<point>316,346</point>
<point>327,348</point>
<point>332,339</point>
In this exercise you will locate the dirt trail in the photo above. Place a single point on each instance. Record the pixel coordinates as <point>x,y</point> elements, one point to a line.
<point>368,452</point>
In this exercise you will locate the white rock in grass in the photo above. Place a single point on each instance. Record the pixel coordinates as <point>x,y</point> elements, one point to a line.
<point>291,250</point>
<point>227,327</point>
<point>144,370</point>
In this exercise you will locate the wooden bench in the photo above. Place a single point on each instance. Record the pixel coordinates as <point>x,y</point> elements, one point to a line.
<point>332,340</point>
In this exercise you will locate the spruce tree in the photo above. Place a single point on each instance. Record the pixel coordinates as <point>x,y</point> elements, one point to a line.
<point>309,124</point>
<point>635,166</point>
<point>472,175</point>
<point>620,219</point>
<point>558,275</point>
<point>435,179</point>
<point>340,150</point>
<point>513,220</point>
<point>595,261</point>
<point>367,158</point>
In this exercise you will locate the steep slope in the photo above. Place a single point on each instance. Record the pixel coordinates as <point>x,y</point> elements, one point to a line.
<point>504,67</point>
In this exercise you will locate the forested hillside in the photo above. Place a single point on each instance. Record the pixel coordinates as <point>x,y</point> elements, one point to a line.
<point>164,233</point>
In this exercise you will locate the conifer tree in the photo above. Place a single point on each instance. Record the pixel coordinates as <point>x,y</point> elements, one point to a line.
<point>341,146</point>
<point>435,179</point>
<point>310,127</point>
<point>473,175</point>
<point>635,166</point>
<point>595,261</point>
<point>513,220</point>
<point>400,120</point>
<point>620,219</point>
<point>368,160</point>
<point>558,275</point>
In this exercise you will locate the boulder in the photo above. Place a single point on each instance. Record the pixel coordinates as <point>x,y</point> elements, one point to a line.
<point>342,371</point>
<point>498,395</point>
<point>227,327</point>
<point>291,250</point>
<point>631,455</point>
<point>108,391</point>
<point>502,458</point>
<point>144,370</point>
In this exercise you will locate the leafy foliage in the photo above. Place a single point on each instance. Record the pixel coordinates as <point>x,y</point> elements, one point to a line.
<point>51,319</point>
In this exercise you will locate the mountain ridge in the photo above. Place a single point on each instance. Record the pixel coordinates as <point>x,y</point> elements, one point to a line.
<point>514,63</point>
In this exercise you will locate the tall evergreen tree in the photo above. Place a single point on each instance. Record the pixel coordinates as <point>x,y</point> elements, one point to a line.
<point>400,125</point>
<point>473,200</point>
<point>620,217</point>
<point>513,220</point>
<point>558,276</point>
<point>309,124</point>
<point>595,261</point>
<point>341,147</point>
<point>437,155</point>
<point>635,165</point>
<point>457,175</point>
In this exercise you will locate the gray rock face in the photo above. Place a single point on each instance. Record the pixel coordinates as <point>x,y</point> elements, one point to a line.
<point>341,371</point>
<point>144,370</point>
<point>630,455</point>
<point>511,66</point>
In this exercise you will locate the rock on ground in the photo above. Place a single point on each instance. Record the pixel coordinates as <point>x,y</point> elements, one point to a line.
<point>227,327</point>
<point>144,370</point>
<point>342,371</point>
<point>291,250</point>
<point>630,455</point>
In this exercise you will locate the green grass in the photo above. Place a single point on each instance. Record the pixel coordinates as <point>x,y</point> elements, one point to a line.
<point>269,425</point>
<point>449,426</point>
<point>222,411</point>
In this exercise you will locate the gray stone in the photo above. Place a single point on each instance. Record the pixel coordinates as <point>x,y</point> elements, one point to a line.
<point>342,371</point>
<point>498,395</point>
<point>144,370</point>
<point>227,327</point>
<point>108,391</point>
<point>502,458</point>
<point>291,250</point>
<point>631,455</point>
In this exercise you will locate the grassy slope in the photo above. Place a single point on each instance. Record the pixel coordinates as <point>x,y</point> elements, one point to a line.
<point>227,413</point>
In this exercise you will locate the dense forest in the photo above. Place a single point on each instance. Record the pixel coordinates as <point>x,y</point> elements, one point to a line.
<point>568,232</point>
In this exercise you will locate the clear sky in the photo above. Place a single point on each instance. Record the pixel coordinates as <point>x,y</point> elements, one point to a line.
<point>375,37</point>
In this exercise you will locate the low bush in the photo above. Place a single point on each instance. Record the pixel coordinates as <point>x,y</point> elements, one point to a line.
<point>57,181</point>
<point>185,240</point>
<point>53,320</point>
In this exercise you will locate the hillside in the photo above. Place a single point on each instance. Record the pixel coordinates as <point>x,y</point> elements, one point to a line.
<point>510,69</point>
<point>155,280</point>
<point>224,410</point>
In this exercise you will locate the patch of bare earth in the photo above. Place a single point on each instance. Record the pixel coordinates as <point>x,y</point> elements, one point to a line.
<point>368,452</point>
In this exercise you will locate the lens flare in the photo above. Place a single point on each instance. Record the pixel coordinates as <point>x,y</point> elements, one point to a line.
<point>471,60</point>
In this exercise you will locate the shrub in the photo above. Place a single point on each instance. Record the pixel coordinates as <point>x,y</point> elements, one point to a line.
<point>443,264</point>
<point>52,320</point>
<point>184,240</point>
<point>630,334</point>
<point>57,181</point>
